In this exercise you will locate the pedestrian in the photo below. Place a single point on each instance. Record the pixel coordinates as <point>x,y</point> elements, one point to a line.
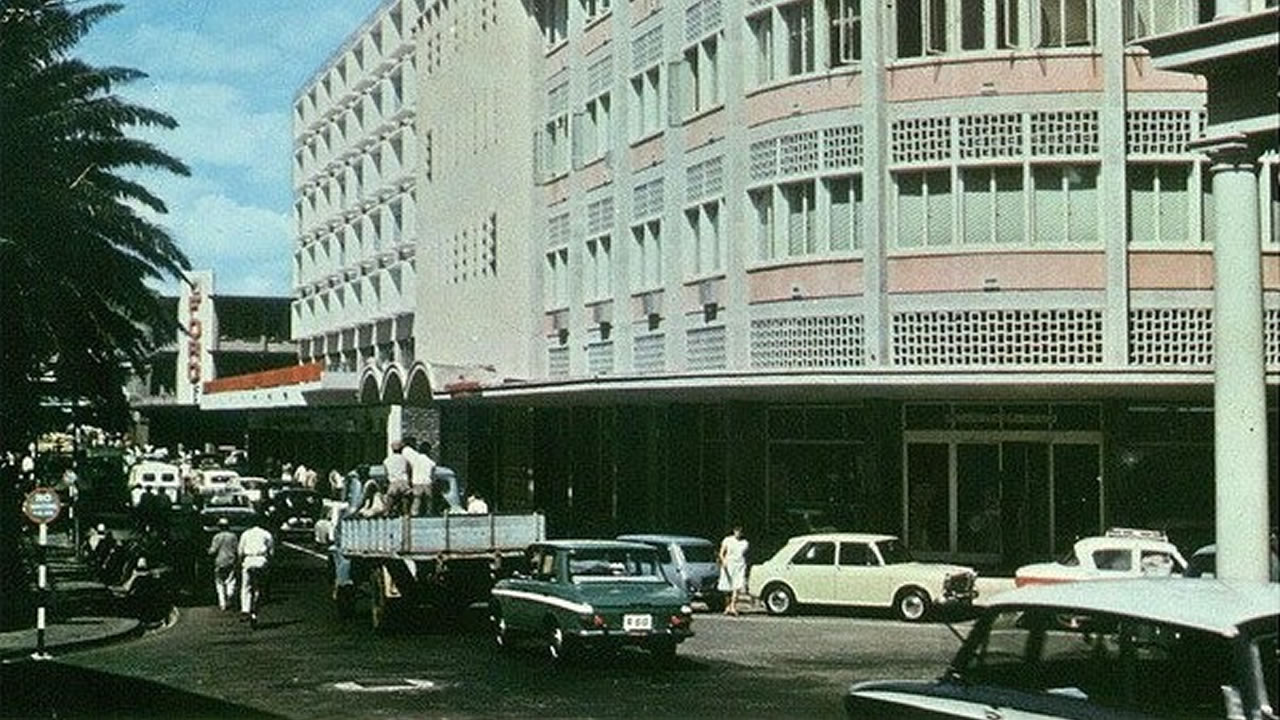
<point>255,549</point>
<point>373,502</point>
<point>398,487</point>
<point>733,568</point>
<point>223,548</point>
<point>421,467</point>
<point>476,505</point>
<point>337,485</point>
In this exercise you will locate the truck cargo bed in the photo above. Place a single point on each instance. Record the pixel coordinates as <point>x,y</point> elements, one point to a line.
<point>452,535</point>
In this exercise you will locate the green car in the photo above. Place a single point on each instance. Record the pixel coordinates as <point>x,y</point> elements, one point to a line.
<point>581,594</point>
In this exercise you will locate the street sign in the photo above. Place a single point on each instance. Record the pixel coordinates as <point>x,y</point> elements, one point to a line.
<point>42,505</point>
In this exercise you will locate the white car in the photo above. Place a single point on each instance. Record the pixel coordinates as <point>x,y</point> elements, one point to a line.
<point>857,569</point>
<point>158,477</point>
<point>1122,552</point>
<point>214,481</point>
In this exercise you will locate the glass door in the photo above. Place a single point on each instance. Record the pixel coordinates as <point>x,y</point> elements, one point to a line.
<point>1077,493</point>
<point>977,492</point>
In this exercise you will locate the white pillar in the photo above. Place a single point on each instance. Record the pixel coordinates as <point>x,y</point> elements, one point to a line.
<point>1229,8</point>
<point>1239,387</point>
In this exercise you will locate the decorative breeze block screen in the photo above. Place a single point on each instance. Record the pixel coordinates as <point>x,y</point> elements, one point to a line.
<point>646,49</point>
<point>995,338</point>
<point>1271,335</point>
<point>799,152</point>
<point>1064,133</point>
<point>991,136</point>
<point>558,100</point>
<point>842,147</point>
<point>817,341</point>
<point>600,358</point>
<point>558,361</point>
<point>706,348</point>
<point>764,159</point>
<point>600,216</point>
<point>558,230</point>
<point>921,140</point>
<point>805,152</point>
<point>704,179</point>
<point>1161,132</point>
<point>1171,337</point>
<point>647,199</point>
<point>473,253</point>
<point>600,76</point>
<point>649,353</point>
<point>702,18</point>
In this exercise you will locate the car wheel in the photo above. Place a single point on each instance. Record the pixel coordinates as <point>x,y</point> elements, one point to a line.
<point>779,600</point>
<point>911,604</point>
<point>557,642</point>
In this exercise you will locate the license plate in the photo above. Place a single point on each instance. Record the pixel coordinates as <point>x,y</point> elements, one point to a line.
<point>637,622</point>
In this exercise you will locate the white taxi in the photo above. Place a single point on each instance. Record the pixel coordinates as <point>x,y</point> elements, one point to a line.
<point>857,569</point>
<point>1121,552</point>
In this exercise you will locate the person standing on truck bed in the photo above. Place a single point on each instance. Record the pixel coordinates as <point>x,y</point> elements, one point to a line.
<point>398,488</point>
<point>421,467</point>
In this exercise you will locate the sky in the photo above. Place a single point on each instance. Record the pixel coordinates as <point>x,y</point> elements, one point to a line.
<point>228,72</point>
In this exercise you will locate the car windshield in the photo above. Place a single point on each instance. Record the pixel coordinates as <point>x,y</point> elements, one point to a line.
<point>596,564</point>
<point>699,553</point>
<point>1109,661</point>
<point>894,552</point>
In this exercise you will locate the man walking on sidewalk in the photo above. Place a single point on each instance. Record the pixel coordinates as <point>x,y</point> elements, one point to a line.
<point>223,549</point>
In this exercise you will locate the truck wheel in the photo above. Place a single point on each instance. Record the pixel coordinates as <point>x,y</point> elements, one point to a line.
<point>911,604</point>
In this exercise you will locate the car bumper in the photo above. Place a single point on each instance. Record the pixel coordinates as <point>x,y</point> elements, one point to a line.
<point>965,597</point>
<point>609,636</point>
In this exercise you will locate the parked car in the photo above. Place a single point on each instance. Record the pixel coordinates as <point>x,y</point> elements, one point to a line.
<point>1130,648</point>
<point>161,478</point>
<point>239,517</point>
<point>256,488</point>
<point>688,563</point>
<point>591,593</point>
<point>294,511</point>
<point>1203,563</point>
<point>1121,552</point>
<point>212,481</point>
<point>858,569</point>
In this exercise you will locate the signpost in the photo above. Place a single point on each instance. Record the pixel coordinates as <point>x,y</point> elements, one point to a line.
<point>42,506</point>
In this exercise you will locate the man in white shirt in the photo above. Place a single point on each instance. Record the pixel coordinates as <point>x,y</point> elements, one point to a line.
<point>421,468</point>
<point>397,466</point>
<point>255,549</point>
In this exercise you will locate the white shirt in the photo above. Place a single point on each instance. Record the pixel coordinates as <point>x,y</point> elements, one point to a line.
<point>397,467</point>
<point>255,541</point>
<point>477,506</point>
<point>421,464</point>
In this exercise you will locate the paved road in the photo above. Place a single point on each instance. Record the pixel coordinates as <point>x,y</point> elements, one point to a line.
<point>305,663</point>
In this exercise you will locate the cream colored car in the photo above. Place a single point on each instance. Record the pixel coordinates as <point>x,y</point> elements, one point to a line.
<point>857,569</point>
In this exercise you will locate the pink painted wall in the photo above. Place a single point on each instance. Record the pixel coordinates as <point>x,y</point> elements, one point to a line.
<point>594,174</point>
<point>647,153</point>
<point>690,293</point>
<point>967,272</point>
<point>597,36</point>
<point>965,77</point>
<point>1189,270</point>
<point>1141,76</point>
<point>637,303</point>
<point>557,191</point>
<point>642,9</point>
<point>704,129</point>
<point>804,96</point>
<point>1271,271</point>
<point>827,278</point>
<point>557,60</point>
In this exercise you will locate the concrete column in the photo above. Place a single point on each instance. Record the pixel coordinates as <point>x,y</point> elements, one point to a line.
<point>1229,8</point>
<point>1239,394</point>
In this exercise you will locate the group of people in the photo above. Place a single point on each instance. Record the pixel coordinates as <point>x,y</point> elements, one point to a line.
<point>126,571</point>
<point>248,553</point>
<point>413,483</point>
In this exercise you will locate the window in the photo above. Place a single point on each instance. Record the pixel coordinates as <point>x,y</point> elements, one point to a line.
<point>1113,560</point>
<point>556,139</point>
<point>816,553</point>
<point>554,19</point>
<point>706,255</point>
<point>594,8</point>
<point>801,201</point>
<point>596,124</point>
<point>846,31</point>
<point>857,554</point>
<point>1065,204</point>
<point>1066,23</point>
<point>702,63</point>
<point>647,264</point>
<point>1159,205</point>
<point>844,229</point>
<point>924,208</point>
<point>817,218</point>
<point>600,271</point>
<point>762,36</point>
<point>1008,34</point>
<point>762,201</point>
<point>992,205</point>
<point>646,96</point>
<point>972,24</point>
<point>797,20</point>
<point>557,280</point>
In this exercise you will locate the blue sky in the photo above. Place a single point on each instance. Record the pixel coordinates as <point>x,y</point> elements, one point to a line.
<point>228,71</point>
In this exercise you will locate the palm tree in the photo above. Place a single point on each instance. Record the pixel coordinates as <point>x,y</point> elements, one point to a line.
<point>76,253</point>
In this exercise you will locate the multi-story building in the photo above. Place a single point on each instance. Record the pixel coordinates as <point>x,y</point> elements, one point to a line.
<point>936,267</point>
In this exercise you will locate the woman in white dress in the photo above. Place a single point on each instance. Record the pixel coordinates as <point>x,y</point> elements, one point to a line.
<point>733,568</point>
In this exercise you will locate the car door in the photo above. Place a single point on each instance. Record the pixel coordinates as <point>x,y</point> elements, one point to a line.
<point>858,575</point>
<point>812,572</point>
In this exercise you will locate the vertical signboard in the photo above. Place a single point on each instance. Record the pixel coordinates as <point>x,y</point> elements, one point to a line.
<point>197,335</point>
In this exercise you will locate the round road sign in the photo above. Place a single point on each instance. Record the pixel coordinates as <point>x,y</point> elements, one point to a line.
<point>42,505</point>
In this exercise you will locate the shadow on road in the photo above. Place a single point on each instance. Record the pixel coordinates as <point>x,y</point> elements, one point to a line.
<point>55,690</point>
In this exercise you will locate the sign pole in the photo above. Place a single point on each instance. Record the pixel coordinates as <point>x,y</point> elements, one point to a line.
<point>40,653</point>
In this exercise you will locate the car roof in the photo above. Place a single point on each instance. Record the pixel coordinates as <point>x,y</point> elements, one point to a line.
<point>842,537</point>
<point>664,539</point>
<point>593,544</point>
<point>1208,604</point>
<point>1104,541</point>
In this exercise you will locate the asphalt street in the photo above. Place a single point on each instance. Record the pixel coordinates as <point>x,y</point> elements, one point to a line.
<point>303,662</point>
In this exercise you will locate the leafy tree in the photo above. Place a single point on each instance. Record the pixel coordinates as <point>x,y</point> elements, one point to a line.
<point>76,252</point>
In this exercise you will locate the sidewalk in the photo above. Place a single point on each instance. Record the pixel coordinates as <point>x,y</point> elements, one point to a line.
<point>82,611</point>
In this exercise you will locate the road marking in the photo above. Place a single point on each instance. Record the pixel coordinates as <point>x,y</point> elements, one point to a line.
<point>307,550</point>
<point>383,686</point>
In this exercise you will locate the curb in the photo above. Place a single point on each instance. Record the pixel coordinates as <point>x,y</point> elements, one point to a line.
<point>130,629</point>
